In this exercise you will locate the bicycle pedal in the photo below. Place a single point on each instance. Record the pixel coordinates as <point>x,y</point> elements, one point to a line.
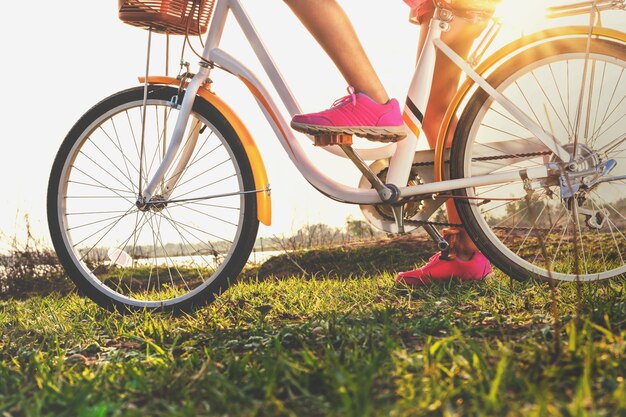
<point>452,236</point>
<point>329,139</point>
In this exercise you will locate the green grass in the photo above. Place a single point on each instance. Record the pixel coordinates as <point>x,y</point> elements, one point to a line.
<point>348,346</point>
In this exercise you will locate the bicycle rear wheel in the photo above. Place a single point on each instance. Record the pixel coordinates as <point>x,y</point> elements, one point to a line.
<point>549,234</point>
<point>175,255</point>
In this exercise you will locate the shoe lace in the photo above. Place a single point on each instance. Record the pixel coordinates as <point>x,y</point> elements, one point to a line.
<point>350,98</point>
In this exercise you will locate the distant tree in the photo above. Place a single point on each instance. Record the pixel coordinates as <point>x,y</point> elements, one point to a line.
<point>319,234</point>
<point>441,216</point>
<point>359,228</point>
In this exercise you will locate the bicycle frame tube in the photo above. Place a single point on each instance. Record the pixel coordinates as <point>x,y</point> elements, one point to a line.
<point>401,158</point>
<point>496,59</point>
<point>213,52</point>
<point>414,109</point>
<point>546,138</point>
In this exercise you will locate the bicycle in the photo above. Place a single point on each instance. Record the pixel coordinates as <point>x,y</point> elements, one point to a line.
<point>156,193</point>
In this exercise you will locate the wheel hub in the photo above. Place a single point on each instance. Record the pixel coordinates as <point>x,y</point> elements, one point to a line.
<point>572,180</point>
<point>586,158</point>
<point>156,204</point>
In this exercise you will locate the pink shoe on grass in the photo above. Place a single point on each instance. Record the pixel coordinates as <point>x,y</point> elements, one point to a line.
<point>441,270</point>
<point>355,114</point>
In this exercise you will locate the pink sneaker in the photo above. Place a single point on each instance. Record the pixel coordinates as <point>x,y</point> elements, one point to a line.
<point>439,270</point>
<point>355,114</point>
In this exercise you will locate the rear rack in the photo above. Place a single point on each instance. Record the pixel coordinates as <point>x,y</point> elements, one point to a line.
<point>585,7</point>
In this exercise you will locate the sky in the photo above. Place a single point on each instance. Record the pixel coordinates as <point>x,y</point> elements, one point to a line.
<point>72,55</point>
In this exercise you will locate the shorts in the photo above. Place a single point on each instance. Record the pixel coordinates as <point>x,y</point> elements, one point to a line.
<point>471,9</point>
<point>419,9</point>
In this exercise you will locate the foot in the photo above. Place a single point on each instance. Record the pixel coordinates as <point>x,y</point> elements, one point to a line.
<point>355,114</point>
<point>440,270</point>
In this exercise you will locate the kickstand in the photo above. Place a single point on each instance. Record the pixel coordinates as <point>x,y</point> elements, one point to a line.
<point>398,214</point>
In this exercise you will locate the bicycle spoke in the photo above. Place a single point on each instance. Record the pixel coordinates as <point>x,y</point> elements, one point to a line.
<point>492,189</point>
<point>210,216</point>
<point>186,226</point>
<point>623,117</point>
<point>167,256</point>
<point>112,163</point>
<point>193,161</point>
<point>543,91</point>
<point>112,225</point>
<point>591,111</point>
<point>552,228</point>
<point>595,118</point>
<point>178,197</point>
<point>600,245</point>
<point>608,114</point>
<point>196,252</point>
<point>120,248</point>
<point>119,147</point>
<point>105,171</point>
<point>570,128</point>
<point>530,107</point>
<point>87,213</point>
<point>199,203</point>
<point>501,131</point>
<point>159,151</point>
<point>508,118</point>
<point>132,132</point>
<point>201,173</point>
<point>165,253</point>
<point>91,223</point>
<point>116,191</point>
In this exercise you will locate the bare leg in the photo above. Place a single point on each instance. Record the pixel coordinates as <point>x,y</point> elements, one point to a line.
<point>330,26</point>
<point>447,75</point>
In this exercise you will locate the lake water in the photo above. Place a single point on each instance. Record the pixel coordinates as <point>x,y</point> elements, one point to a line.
<point>256,257</point>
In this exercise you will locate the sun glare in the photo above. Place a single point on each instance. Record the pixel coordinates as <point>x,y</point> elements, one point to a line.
<point>525,15</point>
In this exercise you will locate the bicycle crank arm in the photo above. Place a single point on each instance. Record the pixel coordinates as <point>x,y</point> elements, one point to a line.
<point>388,193</point>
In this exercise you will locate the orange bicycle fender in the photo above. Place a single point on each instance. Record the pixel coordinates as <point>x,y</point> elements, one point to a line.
<point>494,59</point>
<point>261,182</point>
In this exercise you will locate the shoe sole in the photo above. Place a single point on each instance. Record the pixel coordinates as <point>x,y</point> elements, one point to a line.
<point>378,134</point>
<point>421,282</point>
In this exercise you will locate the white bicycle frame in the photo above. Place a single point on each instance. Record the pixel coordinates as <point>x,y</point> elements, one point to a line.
<point>402,154</point>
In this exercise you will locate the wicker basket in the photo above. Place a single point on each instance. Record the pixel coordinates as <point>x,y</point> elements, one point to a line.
<point>176,17</point>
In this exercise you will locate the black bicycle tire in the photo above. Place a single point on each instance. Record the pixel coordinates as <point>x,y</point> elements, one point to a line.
<point>250,222</point>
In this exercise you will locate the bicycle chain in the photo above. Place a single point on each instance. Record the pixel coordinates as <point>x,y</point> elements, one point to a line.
<point>489,158</point>
<point>419,223</point>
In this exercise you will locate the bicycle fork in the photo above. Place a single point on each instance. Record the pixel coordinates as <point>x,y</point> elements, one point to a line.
<point>176,140</point>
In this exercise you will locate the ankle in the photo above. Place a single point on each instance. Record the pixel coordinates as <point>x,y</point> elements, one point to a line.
<point>461,247</point>
<point>465,256</point>
<point>379,97</point>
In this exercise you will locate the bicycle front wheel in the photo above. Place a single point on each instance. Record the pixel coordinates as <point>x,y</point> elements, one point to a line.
<point>174,255</point>
<point>561,231</point>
